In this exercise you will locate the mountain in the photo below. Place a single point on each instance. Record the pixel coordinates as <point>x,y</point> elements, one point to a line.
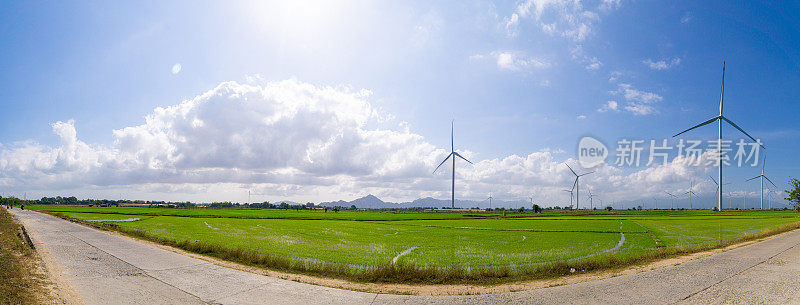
<point>370,202</point>
<point>373,202</point>
<point>366,202</point>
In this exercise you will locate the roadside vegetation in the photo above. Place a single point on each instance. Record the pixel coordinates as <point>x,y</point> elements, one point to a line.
<point>21,282</point>
<point>794,193</point>
<point>434,248</point>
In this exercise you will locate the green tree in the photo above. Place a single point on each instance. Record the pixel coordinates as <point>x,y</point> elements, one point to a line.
<point>537,208</point>
<point>794,193</point>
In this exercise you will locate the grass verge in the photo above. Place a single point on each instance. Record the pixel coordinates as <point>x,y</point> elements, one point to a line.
<point>404,273</point>
<point>21,282</point>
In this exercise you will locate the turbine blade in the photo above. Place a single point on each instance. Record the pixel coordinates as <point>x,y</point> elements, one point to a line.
<point>699,125</point>
<point>763,164</point>
<point>759,176</point>
<point>770,181</point>
<point>465,159</point>
<point>574,183</point>
<point>586,174</point>
<point>452,133</point>
<point>722,89</point>
<point>570,169</point>
<point>740,129</point>
<point>440,164</point>
<point>712,179</point>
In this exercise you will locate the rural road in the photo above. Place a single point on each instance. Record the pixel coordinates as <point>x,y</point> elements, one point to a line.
<point>107,269</point>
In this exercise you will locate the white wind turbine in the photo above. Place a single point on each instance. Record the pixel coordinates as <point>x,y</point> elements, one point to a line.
<point>577,186</point>
<point>671,201</point>
<point>718,191</point>
<point>571,192</point>
<point>763,163</point>
<point>452,154</point>
<point>690,193</point>
<point>591,198</point>
<point>719,119</point>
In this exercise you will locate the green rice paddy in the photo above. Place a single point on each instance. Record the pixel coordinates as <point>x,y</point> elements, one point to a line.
<point>363,239</point>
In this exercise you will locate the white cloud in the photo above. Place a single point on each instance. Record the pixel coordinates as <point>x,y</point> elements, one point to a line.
<point>608,5</point>
<point>514,61</point>
<point>427,30</point>
<point>581,117</point>
<point>638,102</point>
<point>176,68</point>
<point>663,64</point>
<point>566,18</point>
<point>614,76</point>
<point>281,132</point>
<point>686,18</point>
<point>292,140</point>
<point>591,62</point>
<point>609,106</point>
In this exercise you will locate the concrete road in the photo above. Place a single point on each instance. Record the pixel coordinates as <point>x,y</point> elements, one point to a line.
<point>107,269</point>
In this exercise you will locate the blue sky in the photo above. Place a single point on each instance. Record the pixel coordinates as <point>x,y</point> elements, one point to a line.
<point>519,78</point>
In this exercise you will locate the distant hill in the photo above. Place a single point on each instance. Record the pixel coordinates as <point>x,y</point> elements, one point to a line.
<point>373,202</point>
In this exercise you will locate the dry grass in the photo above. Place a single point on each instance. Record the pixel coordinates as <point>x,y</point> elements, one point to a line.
<point>21,281</point>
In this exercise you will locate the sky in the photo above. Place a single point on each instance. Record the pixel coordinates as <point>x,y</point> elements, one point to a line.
<point>321,100</point>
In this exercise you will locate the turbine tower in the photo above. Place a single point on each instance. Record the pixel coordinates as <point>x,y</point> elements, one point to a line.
<point>577,186</point>
<point>718,186</point>
<point>719,119</point>
<point>452,154</point>
<point>763,163</point>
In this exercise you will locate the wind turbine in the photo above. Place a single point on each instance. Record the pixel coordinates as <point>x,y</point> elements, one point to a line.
<point>571,195</point>
<point>452,154</point>
<point>763,163</point>
<point>691,192</point>
<point>591,197</point>
<point>577,186</point>
<point>490,200</point>
<point>671,204</point>
<point>719,119</point>
<point>718,187</point>
<point>571,192</point>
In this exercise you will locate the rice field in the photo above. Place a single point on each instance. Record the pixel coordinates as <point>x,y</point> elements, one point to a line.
<point>359,241</point>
